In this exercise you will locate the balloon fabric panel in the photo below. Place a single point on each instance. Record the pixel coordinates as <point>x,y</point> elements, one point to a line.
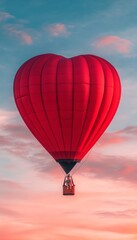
<point>67,103</point>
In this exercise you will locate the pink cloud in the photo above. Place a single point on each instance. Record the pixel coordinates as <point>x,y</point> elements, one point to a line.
<point>111,167</point>
<point>10,189</point>
<point>104,207</point>
<point>125,135</point>
<point>19,146</point>
<point>111,138</point>
<point>114,43</point>
<point>4,16</point>
<point>6,116</point>
<point>130,130</point>
<point>88,215</point>
<point>25,37</point>
<point>99,165</point>
<point>6,211</point>
<point>58,29</point>
<point>128,213</point>
<point>8,184</point>
<point>58,217</point>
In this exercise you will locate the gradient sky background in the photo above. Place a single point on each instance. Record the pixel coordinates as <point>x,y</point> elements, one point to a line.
<point>31,203</point>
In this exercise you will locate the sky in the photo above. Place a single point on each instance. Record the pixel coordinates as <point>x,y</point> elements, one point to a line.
<point>32,206</point>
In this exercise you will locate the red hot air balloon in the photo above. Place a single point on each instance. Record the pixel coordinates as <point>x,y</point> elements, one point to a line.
<point>67,103</point>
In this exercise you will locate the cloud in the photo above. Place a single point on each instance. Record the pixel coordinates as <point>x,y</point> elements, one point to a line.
<point>57,30</point>
<point>16,139</point>
<point>98,165</point>
<point>126,213</point>
<point>5,16</point>
<point>6,116</point>
<point>83,216</point>
<point>125,135</point>
<point>111,167</point>
<point>111,139</point>
<point>130,130</point>
<point>113,44</point>
<point>19,146</point>
<point>22,35</point>
<point>25,37</point>
<point>5,211</point>
<point>8,184</point>
<point>11,189</point>
<point>13,29</point>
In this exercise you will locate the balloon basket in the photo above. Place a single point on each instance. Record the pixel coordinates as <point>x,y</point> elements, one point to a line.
<point>68,186</point>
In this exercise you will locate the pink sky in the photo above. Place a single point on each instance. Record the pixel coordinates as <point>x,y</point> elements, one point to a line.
<point>31,202</point>
<point>101,209</point>
<point>32,206</point>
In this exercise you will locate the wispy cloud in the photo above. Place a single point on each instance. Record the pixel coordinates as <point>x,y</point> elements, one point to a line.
<point>45,218</point>
<point>57,30</point>
<point>6,116</point>
<point>8,184</point>
<point>15,29</point>
<point>128,213</point>
<point>11,189</point>
<point>118,167</point>
<point>130,130</point>
<point>5,16</point>
<point>111,167</point>
<point>19,146</point>
<point>22,35</point>
<point>112,43</point>
<point>5,211</point>
<point>127,134</point>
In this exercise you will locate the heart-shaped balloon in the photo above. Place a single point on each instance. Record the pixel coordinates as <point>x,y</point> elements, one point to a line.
<point>67,103</point>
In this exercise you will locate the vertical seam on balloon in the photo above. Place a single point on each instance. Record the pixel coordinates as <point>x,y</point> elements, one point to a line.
<point>111,98</point>
<point>72,108</point>
<point>94,140</point>
<point>107,112</point>
<point>41,141</point>
<point>44,105</point>
<point>99,107</point>
<point>58,105</point>
<point>32,103</point>
<point>24,108</point>
<point>87,103</point>
<point>102,99</point>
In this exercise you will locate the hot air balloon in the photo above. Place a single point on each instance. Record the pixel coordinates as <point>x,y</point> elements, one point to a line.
<point>67,103</point>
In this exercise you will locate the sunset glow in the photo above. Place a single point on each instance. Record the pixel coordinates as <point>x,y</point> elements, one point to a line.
<point>32,206</point>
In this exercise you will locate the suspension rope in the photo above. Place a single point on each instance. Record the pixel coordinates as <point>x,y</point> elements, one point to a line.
<point>81,164</point>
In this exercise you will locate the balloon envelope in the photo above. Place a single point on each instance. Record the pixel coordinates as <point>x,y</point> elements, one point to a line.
<point>67,103</point>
